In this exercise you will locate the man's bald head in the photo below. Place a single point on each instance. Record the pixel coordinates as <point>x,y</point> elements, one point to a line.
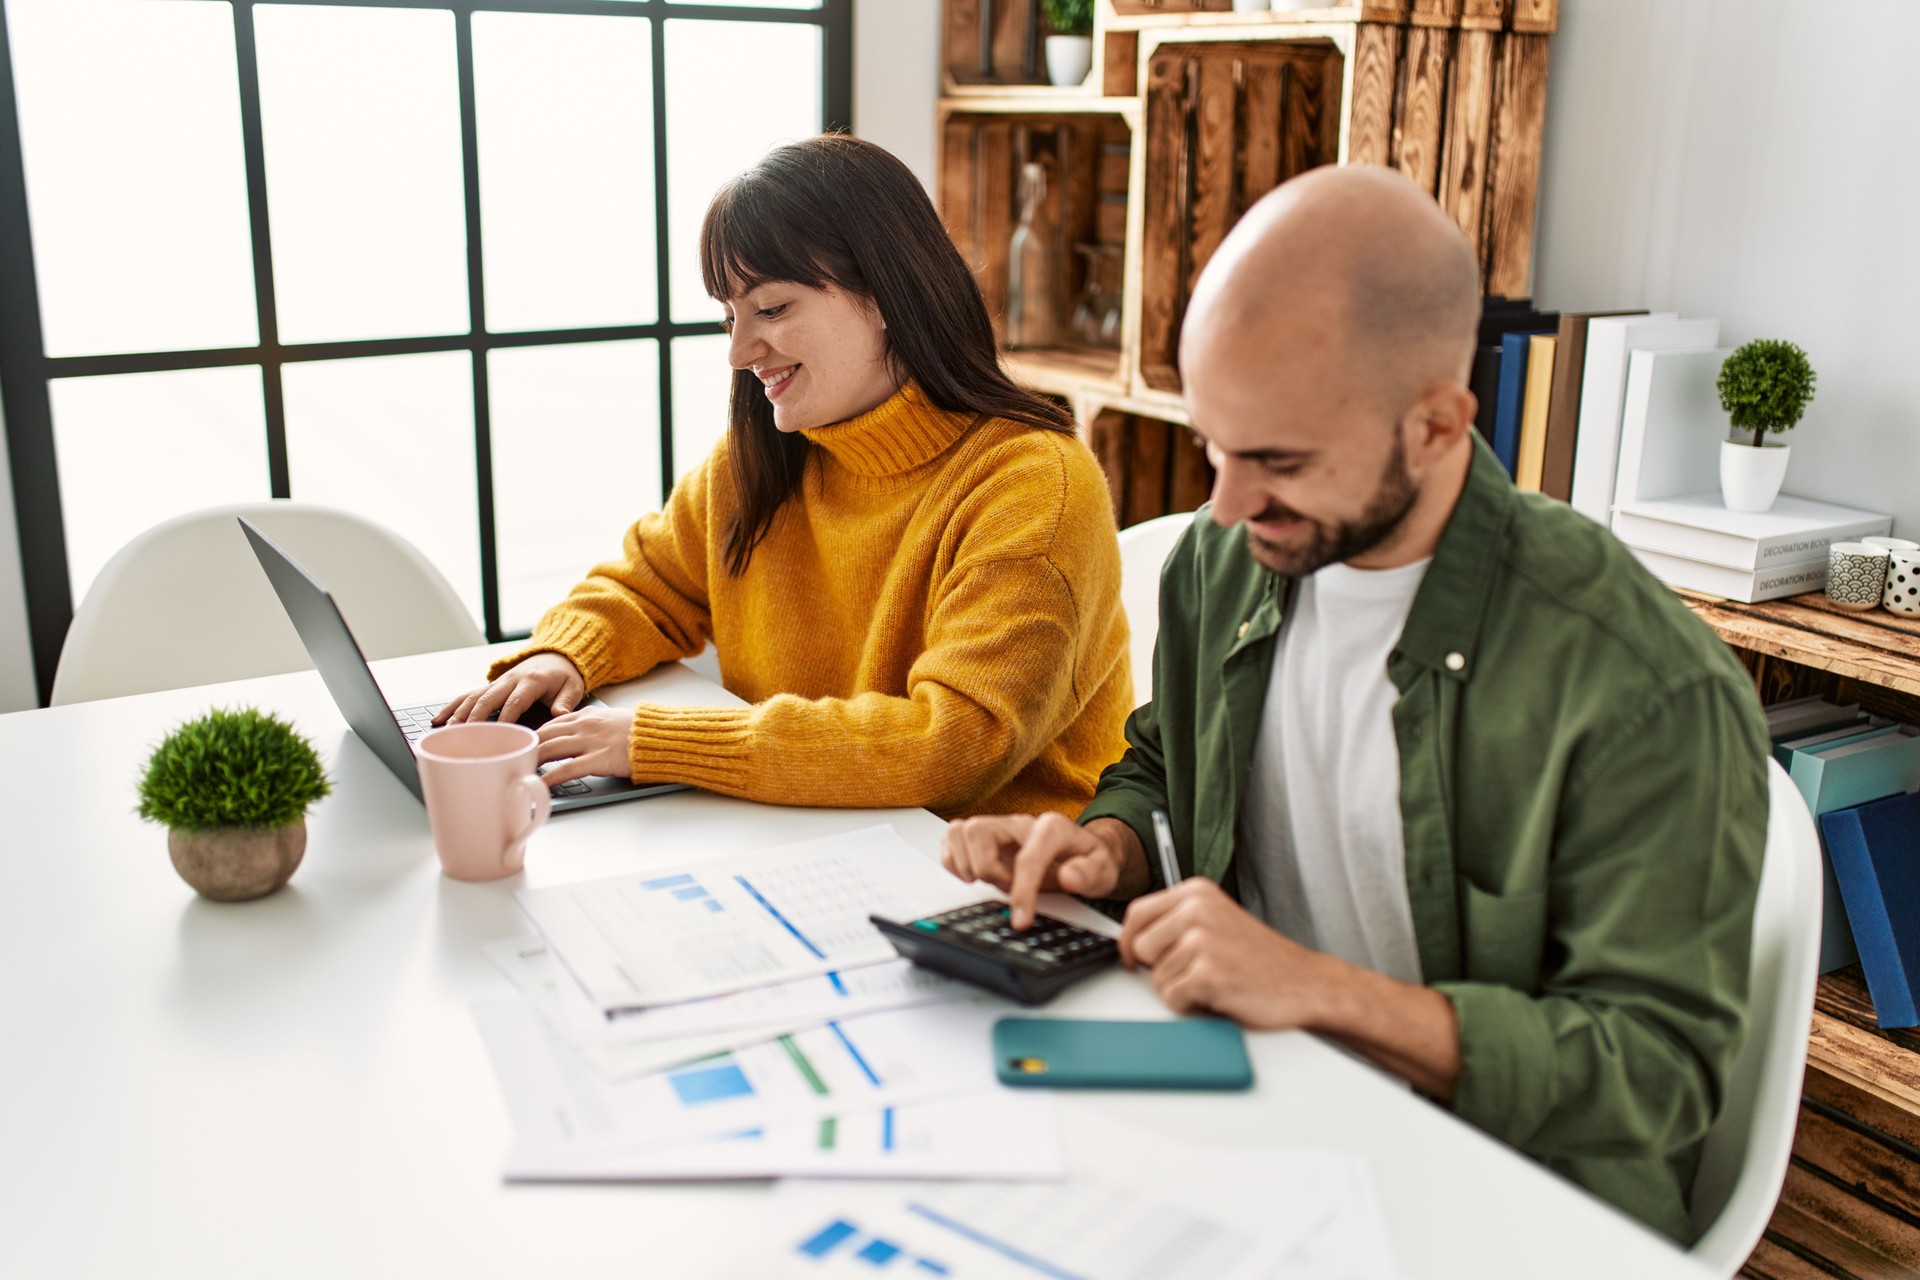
<point>1356,257</point>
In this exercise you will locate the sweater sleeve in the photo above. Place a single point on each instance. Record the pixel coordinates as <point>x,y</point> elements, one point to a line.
<point>1020,632</point>
<point>648,607</point>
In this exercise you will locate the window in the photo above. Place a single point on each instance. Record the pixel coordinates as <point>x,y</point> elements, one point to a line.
<point>428,260</point>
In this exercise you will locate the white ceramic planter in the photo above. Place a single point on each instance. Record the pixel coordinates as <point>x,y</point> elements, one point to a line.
<point>1750,478</point>
<point>1069,59</point>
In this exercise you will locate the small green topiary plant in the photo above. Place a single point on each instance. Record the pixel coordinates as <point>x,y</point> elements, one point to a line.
<point>1765,386</point>
<point>1069,17</point>
<point>243,768</point>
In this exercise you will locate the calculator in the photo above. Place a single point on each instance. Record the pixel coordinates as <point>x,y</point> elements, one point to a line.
<point>978,944</point>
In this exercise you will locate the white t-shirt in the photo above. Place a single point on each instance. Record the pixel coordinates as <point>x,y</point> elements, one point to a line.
<point>1322,854</point>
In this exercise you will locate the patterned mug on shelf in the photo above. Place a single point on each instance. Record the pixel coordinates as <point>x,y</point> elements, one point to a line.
<point>1902,592</point>
<point>1856,574</point>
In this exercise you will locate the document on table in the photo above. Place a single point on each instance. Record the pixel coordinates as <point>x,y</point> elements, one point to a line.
<point>879,1060</point>
<point>642,1040</point>
<point>1166,1211</point>
<point>719,925</point>
<point>1009,1135</point>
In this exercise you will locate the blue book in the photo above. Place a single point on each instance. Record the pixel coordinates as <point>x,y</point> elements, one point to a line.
<point>1510,399</point>
<point>1883,763</point>
<point>1875,851</point>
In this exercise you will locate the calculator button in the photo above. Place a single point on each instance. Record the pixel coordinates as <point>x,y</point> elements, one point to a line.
<point>930,926</point>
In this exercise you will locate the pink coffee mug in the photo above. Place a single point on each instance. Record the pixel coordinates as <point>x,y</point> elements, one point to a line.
<point>484,796</point>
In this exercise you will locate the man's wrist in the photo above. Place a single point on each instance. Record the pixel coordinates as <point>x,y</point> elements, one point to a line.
<point>1129,856</point>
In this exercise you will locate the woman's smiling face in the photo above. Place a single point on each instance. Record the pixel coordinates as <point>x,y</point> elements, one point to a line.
<point>820,354</point>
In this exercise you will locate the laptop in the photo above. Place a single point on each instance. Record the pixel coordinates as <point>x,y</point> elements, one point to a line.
<point>390,731</point>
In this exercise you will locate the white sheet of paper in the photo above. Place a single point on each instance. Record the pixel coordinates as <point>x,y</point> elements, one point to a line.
<point>864,1064</point>
<point>709,927</point>
<point>1011,1134</point>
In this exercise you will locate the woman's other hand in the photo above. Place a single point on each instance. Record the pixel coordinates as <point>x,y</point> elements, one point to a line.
<point>595,742</point>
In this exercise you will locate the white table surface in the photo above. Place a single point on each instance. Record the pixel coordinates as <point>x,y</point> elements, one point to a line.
<point>293,1087</point>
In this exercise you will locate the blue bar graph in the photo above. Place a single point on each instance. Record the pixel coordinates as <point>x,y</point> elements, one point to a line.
<point>854,1053</point>
<point>710,1084</point>
<point>691,892</point>
<point>669,882</point>
<point>828,1238</point>
<point>879,1252</point>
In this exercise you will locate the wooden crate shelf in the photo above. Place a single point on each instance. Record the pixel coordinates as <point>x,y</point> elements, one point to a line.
<point>1153,466</point>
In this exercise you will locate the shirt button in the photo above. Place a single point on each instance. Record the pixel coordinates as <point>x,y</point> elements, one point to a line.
<point>1456,660</point>
<point>1242,633</point>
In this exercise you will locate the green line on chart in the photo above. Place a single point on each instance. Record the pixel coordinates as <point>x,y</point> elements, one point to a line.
<point>828,1129</point>
<point>805,1067</point>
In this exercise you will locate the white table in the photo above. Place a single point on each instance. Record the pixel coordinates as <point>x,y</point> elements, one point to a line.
<point>293,1087</point>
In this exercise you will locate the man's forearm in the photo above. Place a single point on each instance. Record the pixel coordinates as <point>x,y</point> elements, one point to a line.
<point>1408,1030</point>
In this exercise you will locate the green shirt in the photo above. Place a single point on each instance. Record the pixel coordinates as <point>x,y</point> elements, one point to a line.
<point>1583,793</point>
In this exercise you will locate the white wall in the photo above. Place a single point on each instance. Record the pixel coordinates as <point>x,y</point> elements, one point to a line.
<point>1744,159</point>
<point>896,78</point>
<point>17,692</point>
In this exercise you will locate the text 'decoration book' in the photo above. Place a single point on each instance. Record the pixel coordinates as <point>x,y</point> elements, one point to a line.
<point>1700,527</point>
<point>1875,852</point>
<point>1603,389</point>
<point>1563,406</point>
<point>1746,585</point>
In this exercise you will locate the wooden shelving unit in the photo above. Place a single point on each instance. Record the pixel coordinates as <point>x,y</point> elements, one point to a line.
<point>1192,113</point>
<point>1851,1204</point>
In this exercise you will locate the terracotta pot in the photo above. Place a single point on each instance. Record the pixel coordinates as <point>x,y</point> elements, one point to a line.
<point>236,864</point>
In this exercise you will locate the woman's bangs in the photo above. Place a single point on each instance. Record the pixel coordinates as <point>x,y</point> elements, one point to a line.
<point>744,248</point>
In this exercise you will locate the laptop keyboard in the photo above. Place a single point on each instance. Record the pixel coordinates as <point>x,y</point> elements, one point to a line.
<point>417,721</point>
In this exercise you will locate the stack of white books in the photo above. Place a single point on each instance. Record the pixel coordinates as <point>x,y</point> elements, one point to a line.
<point>1697,543</point>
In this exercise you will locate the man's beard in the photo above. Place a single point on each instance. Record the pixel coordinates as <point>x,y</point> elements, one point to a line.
<point>1330,544</point>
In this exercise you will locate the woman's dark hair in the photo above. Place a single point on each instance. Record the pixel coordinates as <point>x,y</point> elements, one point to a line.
<point>836,211</point>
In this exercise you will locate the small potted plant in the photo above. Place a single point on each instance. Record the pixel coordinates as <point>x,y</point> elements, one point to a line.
<point>233,788</point>
<point>1765,387</point>
<point>1070,47</point>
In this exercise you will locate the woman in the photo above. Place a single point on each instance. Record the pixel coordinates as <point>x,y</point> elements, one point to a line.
<point>906,563</point>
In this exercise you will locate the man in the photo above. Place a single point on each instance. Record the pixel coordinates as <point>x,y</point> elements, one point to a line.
<point>1458,784</point>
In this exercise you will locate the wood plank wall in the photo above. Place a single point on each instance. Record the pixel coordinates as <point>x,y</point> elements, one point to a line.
<point>1152,467</point>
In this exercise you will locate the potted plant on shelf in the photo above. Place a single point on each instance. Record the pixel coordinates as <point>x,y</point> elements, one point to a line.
<point>1070,46</point>
<point>1765,387</point>
<point>233,788</point>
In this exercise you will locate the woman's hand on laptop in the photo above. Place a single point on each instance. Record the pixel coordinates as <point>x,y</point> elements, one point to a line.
<point>539,677</point>
<point>594,742</point>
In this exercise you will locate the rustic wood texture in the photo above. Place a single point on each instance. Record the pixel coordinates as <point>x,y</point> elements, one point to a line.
<point>1010,39</point>
<point>1485,15</point>
<point>1536,17</point>
<point>1871,647</point>
<point>1148,461</point>
<point>1376,51</point>
<point>1120,65</point>
<point>1420,104</point>
<point>959,204</point>
<point>1169,187</point>
<point>1463,163</point>
<point>1513,163</point>
<point>1191,480</point>
<point>997,217</point>
<point>1772,1261</point>
<point>1171,6</point>
<point>1106,437</point>
<point>1868,1166</point>
<point>1817,1218</point>
<point>1435,13</point>
<point>1215,162</point>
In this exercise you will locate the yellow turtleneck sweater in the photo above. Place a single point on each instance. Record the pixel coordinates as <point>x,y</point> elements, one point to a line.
<point>934,619</point>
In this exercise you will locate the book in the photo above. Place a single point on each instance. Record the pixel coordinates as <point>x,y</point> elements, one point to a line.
<point>1700,527</point>
<point>1839,777</point>
<point>1745,585</point>
<point>1872,848</point>
<point>1484,382</point>
<point>1783,749</point>
<point>1563,407</point>
<point>1603,388</point>
<point>1671,425</point>
<point>1808,715</point>
<point>1499,317</point>
<point>1533,411</point>
<point>1511,390</point>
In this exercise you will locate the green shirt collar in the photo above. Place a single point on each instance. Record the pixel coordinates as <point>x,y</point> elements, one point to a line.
<point>1443,628</point>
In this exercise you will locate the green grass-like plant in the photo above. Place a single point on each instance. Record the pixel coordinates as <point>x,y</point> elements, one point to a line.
<point>1069,17</point>
<point>1765,386</point>
<point>243,768</point>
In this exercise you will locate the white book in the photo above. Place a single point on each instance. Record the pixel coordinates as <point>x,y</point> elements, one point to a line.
<point>1671,424</point>
<point>1603,389</point>
<point>1699,527</point>
<point>1733,584</point>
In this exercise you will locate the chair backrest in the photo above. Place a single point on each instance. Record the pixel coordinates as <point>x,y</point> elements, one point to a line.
<point>1143,550</point>
<point>186,602</point>
<point>1744,1160</point>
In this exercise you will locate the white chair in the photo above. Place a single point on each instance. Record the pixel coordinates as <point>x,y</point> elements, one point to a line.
<point>1143,550</point>
<point>1744,1161</point>
<point>187,603</point>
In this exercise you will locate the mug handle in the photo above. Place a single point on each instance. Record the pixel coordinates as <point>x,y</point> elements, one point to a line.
<point>531,791</point>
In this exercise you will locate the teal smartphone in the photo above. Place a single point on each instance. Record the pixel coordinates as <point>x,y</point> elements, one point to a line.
<point>1068,1053</point>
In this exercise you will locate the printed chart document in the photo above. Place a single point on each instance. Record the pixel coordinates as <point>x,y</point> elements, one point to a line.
<point>706,928</point>
<point>1172,1212</point>
<point>561,1107</point>
<point>1011,1135</point>
<point>642,1040</point>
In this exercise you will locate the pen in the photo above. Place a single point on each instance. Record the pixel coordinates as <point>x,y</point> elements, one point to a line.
<point>1163,837</point>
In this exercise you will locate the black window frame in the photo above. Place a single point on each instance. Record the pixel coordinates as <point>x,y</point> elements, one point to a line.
<point>26,369</point>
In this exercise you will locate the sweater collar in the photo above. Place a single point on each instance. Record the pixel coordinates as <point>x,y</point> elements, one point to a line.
<point>905,432</point>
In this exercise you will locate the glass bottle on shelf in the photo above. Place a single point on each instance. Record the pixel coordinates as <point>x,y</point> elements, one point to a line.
<point>1096,319</point>
<point>1032,272</point>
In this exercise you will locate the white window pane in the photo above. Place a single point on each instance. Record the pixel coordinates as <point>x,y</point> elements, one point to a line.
<point>757,4</point>
<point>391,438</point>
<point>361,114</point>
<point>136,177</point>
<point>565,114</point>
<point>714,133</point>
<point>554,516</point>
<point>138,448</point>
<point>702,388</point>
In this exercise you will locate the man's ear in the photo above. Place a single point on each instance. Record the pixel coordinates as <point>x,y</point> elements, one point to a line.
<point>1440,419</point>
